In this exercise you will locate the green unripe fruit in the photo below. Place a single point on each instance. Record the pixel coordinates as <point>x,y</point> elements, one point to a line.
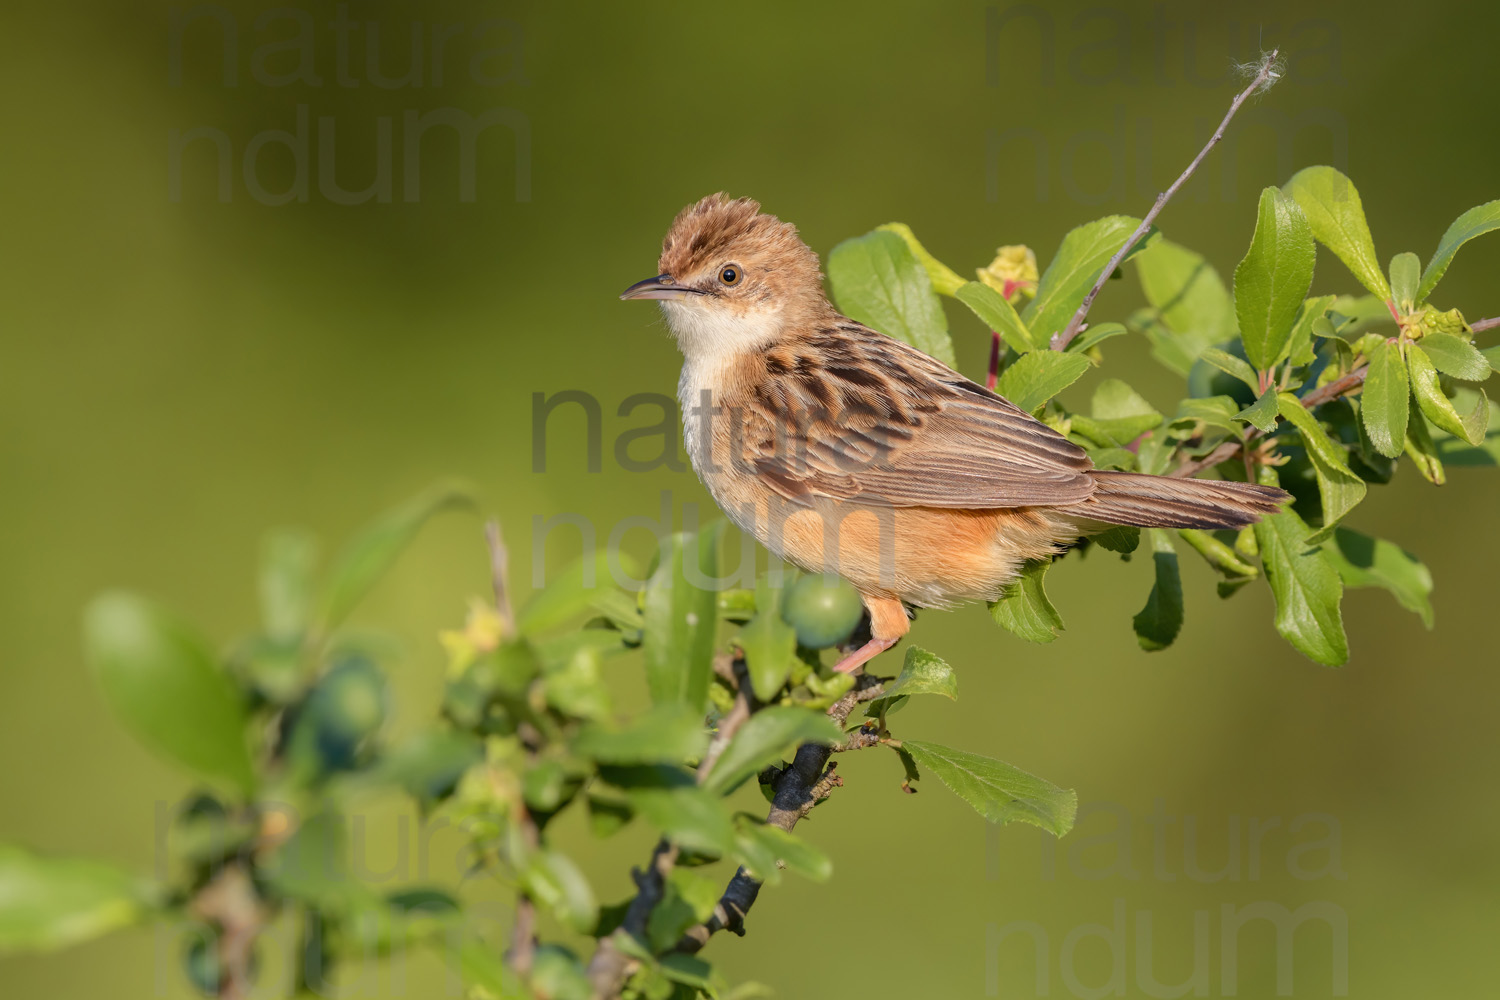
<point>823,610</point>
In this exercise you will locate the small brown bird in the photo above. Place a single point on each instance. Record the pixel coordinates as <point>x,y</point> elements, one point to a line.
<point>844,450</point>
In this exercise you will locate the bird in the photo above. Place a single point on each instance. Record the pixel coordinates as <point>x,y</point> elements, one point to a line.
<point>843,450</point>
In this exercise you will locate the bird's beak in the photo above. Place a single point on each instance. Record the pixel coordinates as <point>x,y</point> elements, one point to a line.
<point>659,287</point>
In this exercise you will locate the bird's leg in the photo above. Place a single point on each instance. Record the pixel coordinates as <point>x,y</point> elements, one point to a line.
<point>864,654</point>
<point>888,623</point>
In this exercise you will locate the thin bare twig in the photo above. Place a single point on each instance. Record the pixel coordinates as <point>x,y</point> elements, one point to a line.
<point>522,948</point>
<point>1268,71</point>
<point>737,716</point>
<point>1484,324</point>
<point>499,574</point>
<point>992,377</point>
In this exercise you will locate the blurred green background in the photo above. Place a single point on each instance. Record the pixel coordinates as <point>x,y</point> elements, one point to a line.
<point>180,373</point>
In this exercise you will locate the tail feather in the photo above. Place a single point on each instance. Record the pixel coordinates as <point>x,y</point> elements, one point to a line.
<point>1163,502</point>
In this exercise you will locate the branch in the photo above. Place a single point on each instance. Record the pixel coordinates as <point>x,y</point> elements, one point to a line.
<point>1341,386</point>
<point>522,948</point>
<point>737,716</point>
<point>1484,324</point>
<point>499,561</point>
<point>231,904</point>
<point>796,790</point>
<point>1268,72</point>
<point>610,966</point>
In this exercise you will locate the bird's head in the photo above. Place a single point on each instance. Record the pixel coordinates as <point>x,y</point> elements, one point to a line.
<point>733,279</point>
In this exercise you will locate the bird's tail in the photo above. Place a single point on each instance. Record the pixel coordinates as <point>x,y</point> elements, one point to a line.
<point>1163,502</point>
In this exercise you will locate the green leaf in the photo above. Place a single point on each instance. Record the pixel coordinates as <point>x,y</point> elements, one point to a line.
<point>1231,365</point>
<point>998,791</point>
<point>1261,414</point>
<point>1456,356</point>
<point>1121,538</point>
<point>556,882</point>
<point>1073,270</point>
<point>998,314</point>
<point>48,903</point>
<point>572,680</point>
<point>769,644</point>
<point>1023,607</point>
<point>1040,375</point>
<point>1189,298</point>
<point>877,280</point>
<point>159,678</point>
<point>1455,452</point>
<point>762,739</point>
<point>924,673</point>
<point>1157,624</point>
<point>288,557</point>
<point>312,865</point>
<point>1386,400</point>
<point>430,763</point>
<point>1421,450</point>
<point>945,281</point>
<point>773,844</point>
<point>481,966</point>
<point>1094,333</point>
<point>1351,316</point>
<point>1337,218</point>
<point>1300,350</point>
<point>1208,413</point>
<point>586,586</point>
<point>370,553</point>
<point>1340,488</point>
<point>681,618</point>
<point>1476,221</point>
<point>1439,408</point>
<point>1307,588</point>
<point>693,816</point>
<point>667,733</point>
<point>1121,413</point>
<point>1405,268</point>
<point>1273,278</point>
<point>689,899</point>
<point>1363,561</point>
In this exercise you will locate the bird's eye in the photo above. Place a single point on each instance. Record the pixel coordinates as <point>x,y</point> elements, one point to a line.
<point>730,275</point>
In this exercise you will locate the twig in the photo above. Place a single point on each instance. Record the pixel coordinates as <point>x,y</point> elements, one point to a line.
<point>737,716</point>
<point>499,575</point>
<point>1061,340</point>
<point>231,904</point>
<point>992,378</point>
<point>1484,324</point>
<point>522,948</point>
<point>610,965</point>
<point>1341,386</point>
<point>796,790</point>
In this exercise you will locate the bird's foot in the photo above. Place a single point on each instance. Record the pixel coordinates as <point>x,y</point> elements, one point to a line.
<point>864,654</point>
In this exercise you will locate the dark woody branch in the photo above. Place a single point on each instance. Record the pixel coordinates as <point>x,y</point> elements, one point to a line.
<point>797,788</point>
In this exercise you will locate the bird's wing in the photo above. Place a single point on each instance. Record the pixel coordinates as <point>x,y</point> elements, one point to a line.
<point>853,414</point>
